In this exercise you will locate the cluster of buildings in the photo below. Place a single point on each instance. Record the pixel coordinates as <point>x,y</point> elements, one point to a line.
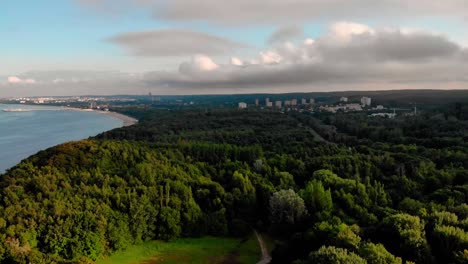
<point>365,104</point>
<point>365,101</point>
<point>388,115</point>
<point>292,103</point>
<point>343,104</point>
<point>242,105</point>
<point>84,102</point>
<point>91,100</point>
<point>34,100</point>
<point>346,107</point>
<point>341,107</point>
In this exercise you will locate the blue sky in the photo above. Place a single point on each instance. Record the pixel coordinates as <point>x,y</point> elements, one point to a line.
<point>125,36</point>
<point>61,28</point>
<point>55,30</point>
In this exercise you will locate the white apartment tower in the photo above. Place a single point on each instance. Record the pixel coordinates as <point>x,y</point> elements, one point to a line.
<point>366,101</point>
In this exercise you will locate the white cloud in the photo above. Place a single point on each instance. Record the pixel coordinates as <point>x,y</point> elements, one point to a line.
<point>236,61</point>
<point>198,64</point>
<point>345,31</point>
<point>270,57</point>
<point>14,79</point>
<point>18,80</point>
<point>204,63</point>
<point>309,42</point>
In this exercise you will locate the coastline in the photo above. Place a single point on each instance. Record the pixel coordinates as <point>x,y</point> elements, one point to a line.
<point>17,147</point>
<point>127,120</point>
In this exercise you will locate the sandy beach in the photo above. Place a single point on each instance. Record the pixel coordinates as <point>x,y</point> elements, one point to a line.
<point>127,120</point>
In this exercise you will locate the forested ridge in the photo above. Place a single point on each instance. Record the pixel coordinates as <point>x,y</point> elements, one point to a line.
<point>382,191</point>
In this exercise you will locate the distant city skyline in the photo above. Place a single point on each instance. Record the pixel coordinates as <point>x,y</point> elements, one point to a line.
<point>103,47</point>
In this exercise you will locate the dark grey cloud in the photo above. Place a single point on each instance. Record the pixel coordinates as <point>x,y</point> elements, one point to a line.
<point>389,45</point>
<point>267,11</point>
<point>349,54</point>
<point>419,46</point>
<point>247,11</point>
<point>174,42</point>
<point>288,33</point>
<point>464,54</point>
<point>315,74</point>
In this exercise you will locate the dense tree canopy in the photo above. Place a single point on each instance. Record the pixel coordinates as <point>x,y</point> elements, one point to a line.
<point>380,191</point>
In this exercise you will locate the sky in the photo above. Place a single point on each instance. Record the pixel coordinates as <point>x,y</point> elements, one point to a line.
<point>103,47</point>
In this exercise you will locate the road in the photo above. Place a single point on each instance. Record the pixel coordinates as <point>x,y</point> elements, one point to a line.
<point>266,258</point>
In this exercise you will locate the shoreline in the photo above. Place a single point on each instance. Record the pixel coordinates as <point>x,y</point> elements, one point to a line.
<point>17,157</point>
<point>127,120</point>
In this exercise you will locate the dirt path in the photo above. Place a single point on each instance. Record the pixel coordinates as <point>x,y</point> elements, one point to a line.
<point>316,135</point>
<point>266,258</point>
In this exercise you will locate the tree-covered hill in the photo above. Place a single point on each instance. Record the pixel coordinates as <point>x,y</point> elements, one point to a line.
<point>196,173</point>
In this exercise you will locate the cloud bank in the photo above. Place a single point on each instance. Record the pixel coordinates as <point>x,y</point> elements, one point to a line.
<point>347,56</point>
<point>280,11</point>
<point>173,42</point>
<point>349,53</point>
<point>63,83</point>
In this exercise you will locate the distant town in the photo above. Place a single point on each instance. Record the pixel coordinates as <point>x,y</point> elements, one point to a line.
<point>330,104</point>
<point>343,105</point>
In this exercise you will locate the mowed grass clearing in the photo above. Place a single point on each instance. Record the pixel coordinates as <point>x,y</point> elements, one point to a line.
<point>190,250</point>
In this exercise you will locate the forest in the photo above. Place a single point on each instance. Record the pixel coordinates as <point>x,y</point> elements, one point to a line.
<point>373,190</point>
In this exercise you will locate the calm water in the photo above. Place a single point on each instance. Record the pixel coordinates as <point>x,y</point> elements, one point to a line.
<point>25,133</point>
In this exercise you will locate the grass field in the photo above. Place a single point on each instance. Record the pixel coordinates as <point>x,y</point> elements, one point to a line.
<point>190,250</point>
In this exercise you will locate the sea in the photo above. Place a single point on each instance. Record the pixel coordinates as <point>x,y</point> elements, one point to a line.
<point>36,128</point>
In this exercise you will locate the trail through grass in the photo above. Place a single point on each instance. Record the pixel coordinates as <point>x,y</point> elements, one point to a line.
<point>190,250</point>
